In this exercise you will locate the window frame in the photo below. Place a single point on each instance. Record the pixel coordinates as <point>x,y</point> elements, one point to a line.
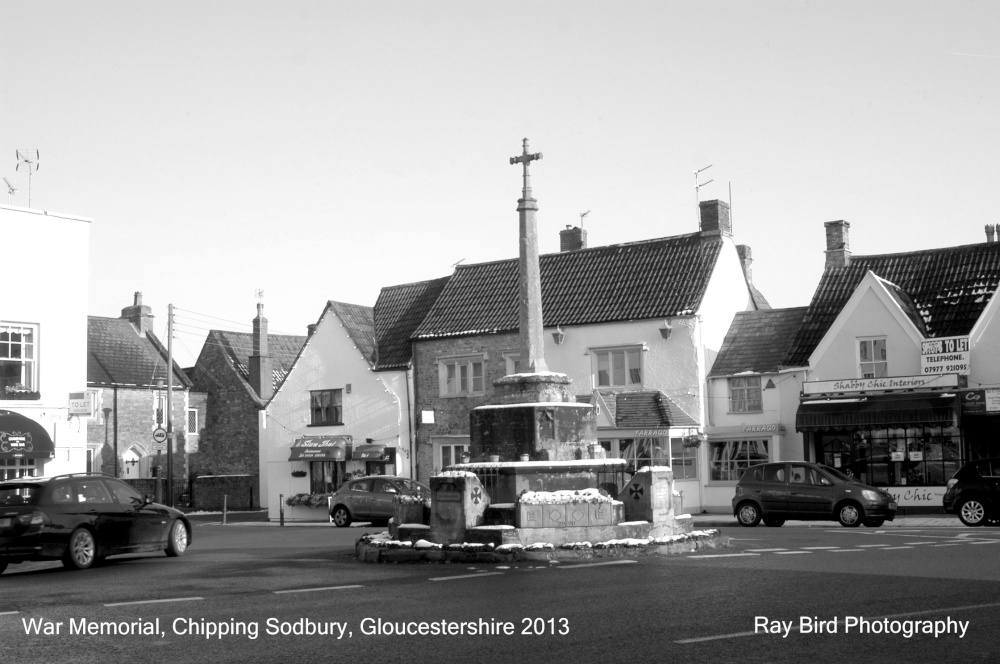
<point>454,372</point>
<point>746,391</point>
<point>29,375</point>
<point>626,350</point>
<point>730,467</point>
<point>335,416</point>
<point>873,362</point>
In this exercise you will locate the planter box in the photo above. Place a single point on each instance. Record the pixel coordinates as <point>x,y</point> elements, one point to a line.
<point>411,513</point>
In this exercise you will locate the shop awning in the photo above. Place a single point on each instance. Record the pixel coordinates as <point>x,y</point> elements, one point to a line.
<point>370,452</point>
<point>320,448</point>
<point>876,412</point>
<point>23,438</point>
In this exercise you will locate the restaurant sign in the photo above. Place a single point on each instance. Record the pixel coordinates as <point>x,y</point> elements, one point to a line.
<point>945,355</point>
<point>887,384</point>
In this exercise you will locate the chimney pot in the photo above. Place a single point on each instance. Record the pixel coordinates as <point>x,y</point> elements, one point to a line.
<point>990,231</point>
<point>139,315</point>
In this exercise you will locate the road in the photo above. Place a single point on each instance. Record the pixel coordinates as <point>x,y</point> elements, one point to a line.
<point>716,606</point>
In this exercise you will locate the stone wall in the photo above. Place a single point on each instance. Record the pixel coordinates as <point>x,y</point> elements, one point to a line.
<point>236,492</point>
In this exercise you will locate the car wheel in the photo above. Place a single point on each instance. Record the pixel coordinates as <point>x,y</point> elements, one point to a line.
<point>773,522</point>
<point>748,515</point>
<point>177,541</point>
<point>850,515</point>
<point>874,522</point>
<point>972,513</point>
<point>341,516</point>
<point>82,550</point>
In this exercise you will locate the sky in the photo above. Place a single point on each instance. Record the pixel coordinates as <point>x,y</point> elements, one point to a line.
<point>323,150</point>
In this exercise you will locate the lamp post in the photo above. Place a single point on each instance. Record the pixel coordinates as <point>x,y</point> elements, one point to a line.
<point>107,413</point>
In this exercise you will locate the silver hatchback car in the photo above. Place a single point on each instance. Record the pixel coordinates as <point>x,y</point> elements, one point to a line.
<point>371,498</point>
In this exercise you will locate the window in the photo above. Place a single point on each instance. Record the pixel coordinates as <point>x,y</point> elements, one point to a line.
<point>731,457</point>
<point>18,359</point>
<point>324,476</point>
<point>326,406</point>
<point>683,460</point>
<point>11,469</point>
<point>448,451</point>
<point>744,395</point>
<point>126,495</point>
<point>192,421</point>
<point>512,362</point>
<point>462,376</point>
<point>872,358</point>
<point>621,367</point>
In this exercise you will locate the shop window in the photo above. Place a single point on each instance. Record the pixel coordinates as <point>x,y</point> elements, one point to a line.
<point>325,476</point>
<point>326,407</point>
<point>872,358</point>
<point>683,460</point>
<point>618,367</point>
<point>18,360</point>
<point>11,469</point>
<point>461,376</point>
<point>915,456</point>
<point>744,395</point>
<point>730,458</point>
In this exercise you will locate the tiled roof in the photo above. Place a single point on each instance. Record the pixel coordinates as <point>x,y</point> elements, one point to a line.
<point>948,287</point>
<point>634,281</point>
<point>649,409</point>
<point>758,341</point>
<point>281,348</point>
<point>359,322</point>
<point>398,312</point>
<point>118,355</point>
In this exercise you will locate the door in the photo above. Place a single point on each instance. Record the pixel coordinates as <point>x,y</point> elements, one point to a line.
<point>772,489</point>
<point>147,525</point>
<point>810,493</point>
<point>95,505</point>
<point>383,493</point>
<point>359,499</point>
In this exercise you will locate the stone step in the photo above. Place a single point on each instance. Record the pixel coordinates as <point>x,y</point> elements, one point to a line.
<point>500,514</point>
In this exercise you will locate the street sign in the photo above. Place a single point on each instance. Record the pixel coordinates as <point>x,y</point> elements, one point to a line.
<point>159,439</point>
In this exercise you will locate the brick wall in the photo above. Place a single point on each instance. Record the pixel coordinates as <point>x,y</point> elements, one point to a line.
<point>235,492</point>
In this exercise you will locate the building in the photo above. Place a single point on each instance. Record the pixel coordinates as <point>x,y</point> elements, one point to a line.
<point>635,327</point>
<point>127,375</point>
<point>752,399</point>
<point>44,406</point>
<point>238,372</point>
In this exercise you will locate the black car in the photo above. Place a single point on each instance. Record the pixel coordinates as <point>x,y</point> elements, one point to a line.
<point>371,498</point>
<point>83,518</point>
<point>974,493</point>
<point>774,492</point>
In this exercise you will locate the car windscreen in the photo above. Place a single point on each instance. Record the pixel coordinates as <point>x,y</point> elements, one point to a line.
<point>837,474</point>
<point>12,495</point>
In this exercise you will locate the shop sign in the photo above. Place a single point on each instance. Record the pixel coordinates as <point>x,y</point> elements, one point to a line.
<point>945,355</point>
<point>887,384</point>
<point>81,403</point>
<point>981,402</point>
<point>916,496</point>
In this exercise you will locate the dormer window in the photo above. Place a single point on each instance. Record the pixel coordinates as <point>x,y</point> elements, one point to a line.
<point>872,358</point>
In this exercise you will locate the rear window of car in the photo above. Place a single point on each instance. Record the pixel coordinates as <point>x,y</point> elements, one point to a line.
<point>14,495</point>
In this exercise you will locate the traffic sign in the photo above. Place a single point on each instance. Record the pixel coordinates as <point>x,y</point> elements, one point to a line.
<point>159,439</point>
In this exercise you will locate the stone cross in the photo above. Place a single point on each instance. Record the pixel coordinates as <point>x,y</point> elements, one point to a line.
<point>530,289</point>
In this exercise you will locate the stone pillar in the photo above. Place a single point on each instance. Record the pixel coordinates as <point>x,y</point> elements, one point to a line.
<point>530,289</point>
<point>458,502</point>
<point>649,496</point>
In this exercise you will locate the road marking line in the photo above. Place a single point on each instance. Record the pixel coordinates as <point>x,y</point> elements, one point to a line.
<point>157,601</point>
<point>841,621</point>
<point>313,590</point>
<point>915,543</point>
<point>893,548</point>
<point>723,555</point>
<point>465,576</point>
<point>845,550</point>
<point>937,545</point>
<point>766,550</point>
<point>610,562</point>
<point>986,542</point>
<point>789,553</point>
<point>869,546</point>
<point>808,548</point>
<point>8,613</point>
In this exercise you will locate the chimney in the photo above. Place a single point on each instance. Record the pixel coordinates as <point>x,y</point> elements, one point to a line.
<point>572,239</point>
<point>838,246</point>
<point>139,315</point>
<point>715,218</point>
<point>746,259</point>
<point>990,230</point>
<point>260,361</point>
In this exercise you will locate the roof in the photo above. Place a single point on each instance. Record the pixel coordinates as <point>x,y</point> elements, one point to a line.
<point>359,322</point>
<point>398,312</point>
<point>118,355</point>
<point>281,348</point>
<point>634,281</point>
<point>649,409</point>
<point>758,341</point>
<point>948,288</point>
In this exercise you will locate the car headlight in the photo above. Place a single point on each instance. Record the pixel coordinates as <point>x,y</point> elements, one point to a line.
<point>873,496</point>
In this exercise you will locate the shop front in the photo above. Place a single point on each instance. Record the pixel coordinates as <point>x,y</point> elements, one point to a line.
<point>909,442</point>
<point>25,446</point>
<point>980,422</point>
<point>321,459</point>
<point>731,450</point>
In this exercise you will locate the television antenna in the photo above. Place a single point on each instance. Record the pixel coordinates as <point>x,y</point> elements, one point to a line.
<point>582,215</point>
<point>28,160</point>
<point>11,190</point>
<point>697,186</point>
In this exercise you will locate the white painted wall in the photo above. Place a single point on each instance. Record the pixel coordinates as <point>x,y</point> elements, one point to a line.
<point>376,408</point>
<point>48,285</point>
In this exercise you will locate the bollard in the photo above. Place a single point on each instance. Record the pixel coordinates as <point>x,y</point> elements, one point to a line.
<point>225,501</point>
<point>281,509</point>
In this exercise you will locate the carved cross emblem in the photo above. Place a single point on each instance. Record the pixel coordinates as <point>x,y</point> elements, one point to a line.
<point>636,491</point>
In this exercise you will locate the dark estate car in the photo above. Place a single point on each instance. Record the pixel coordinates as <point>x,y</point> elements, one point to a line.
<point>774,492</point>
<point>83,518</point>
<point>974,493</point>
<point>371,498</point>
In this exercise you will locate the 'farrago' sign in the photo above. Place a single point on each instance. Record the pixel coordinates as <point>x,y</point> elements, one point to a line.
<point>945,355</point>
<point>886,384</point>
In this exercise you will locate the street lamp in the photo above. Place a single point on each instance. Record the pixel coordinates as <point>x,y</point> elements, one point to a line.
<point>107,413</point>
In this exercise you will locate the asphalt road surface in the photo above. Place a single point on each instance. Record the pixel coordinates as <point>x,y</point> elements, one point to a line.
<point>817,594</point>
